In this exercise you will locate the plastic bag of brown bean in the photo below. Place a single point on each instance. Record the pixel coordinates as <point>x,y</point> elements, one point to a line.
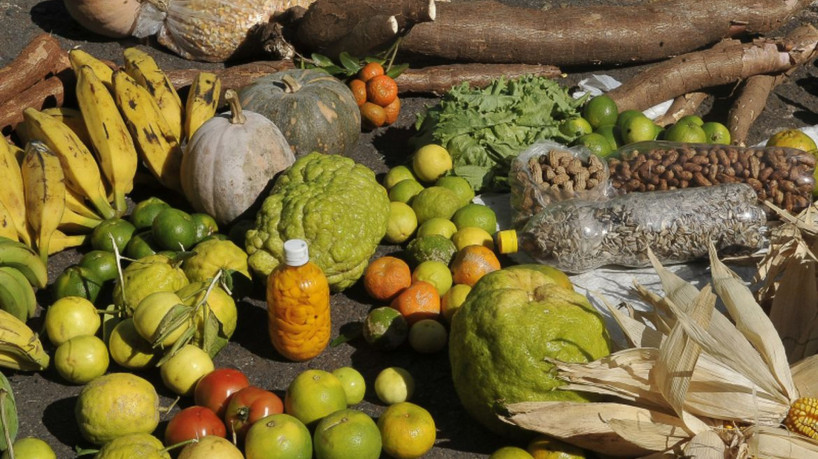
<point>548,171</point>
<point>576,236</point>
<point>207,30</point>
<point>782,176</point>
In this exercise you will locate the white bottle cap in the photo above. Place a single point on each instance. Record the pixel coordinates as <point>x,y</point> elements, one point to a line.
<point>296,252</point>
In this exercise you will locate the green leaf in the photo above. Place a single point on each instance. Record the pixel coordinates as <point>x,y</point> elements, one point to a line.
<point>349,62</point>
<point>321,61</point>
<point>179,315</point>
<point>396,70</point>
<point>348,332</point>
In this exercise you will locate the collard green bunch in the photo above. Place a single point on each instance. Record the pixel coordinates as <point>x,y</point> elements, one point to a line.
<point>333,203</point>
<point>485,129</point>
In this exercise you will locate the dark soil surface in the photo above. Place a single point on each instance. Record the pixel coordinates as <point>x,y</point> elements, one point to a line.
<point>46,403</point>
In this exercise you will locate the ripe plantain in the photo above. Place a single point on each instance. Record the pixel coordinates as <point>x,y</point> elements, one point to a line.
<point>79,165</point>
<point>44,185</point>
<point>11,193</point>
<point>159,148</point>
<point>7,228</point>
<point>113,144</point>
<point>143,68</point>
<point>20,348</point>
<point>24,259</point>
<point>202,101</point>
<point>78,204</point>
<point>79,58</point>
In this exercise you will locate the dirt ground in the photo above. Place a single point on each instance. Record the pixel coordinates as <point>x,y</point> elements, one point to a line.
<point>46,404</point>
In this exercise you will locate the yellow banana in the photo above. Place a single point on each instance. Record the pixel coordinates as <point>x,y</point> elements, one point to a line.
<point>61,241</point>
<point>44,185</point>
<point>158,146</point>
<point>11,191</point>
<point>202,101</point>
<point>24,259</point>
<point>143,68</point>
<point>79,58</point>
<point>20,347</point>
<point>79,165</point>
<point>7,228</point>
<point>73,119</point>
<point>73,222</point>
<point>112,142</point>
<point>77,203</point>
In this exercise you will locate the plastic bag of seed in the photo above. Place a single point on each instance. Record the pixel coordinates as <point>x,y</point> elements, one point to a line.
<point>779,175</point>
<point>547,172</point>
<point>207,30</point>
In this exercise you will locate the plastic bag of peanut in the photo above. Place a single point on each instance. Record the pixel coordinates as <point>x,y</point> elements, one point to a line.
<point>207,30</point>
<point>547,172</point>
<point>782,176</point>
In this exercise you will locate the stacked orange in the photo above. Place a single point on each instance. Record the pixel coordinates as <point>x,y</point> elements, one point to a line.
<point>377,96</point>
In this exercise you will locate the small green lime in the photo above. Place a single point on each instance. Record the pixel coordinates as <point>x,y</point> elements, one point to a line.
<point>141,245</point>
<point>638,129</point>
<point>625,116</point>
<point>459,185</point>
<point>402,223</point>
<point>436,225</point>
<point>597,143</point>
<point>120,229</point>
<point>76,280</point>
<point>100,262</point>
<point>479,215</point>
<point>174,229</point>
<point>353,382</point>
<point>575,126</point>
<point>695,119</point>
<point>405,190</point>
<point>145,211</point>
<point>717,133</point>
<point>204,224</point>
<point>396,175</point>
<point>600,110</point>
<point>612,133</point>
<point>685,131</point>
<point>385,328</point>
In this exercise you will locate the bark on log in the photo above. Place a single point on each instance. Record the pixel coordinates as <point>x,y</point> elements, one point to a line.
<point>487,31</point>
<point>749,104</point>
<point>435,79</point>
<point>713,67</point>
<point>46,93</point>
<point>683,105</point>
<point>41,57</point>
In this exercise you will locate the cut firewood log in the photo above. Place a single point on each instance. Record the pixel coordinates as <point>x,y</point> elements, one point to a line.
<point>749,104</point>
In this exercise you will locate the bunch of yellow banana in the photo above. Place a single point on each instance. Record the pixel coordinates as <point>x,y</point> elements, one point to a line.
<point>20,347</point>
<point>21,271</point>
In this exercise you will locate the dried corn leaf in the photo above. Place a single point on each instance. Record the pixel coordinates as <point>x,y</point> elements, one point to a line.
<point>678,356</point>
<point>794,307</point>
<point>706,445</point>
<point>636,332</point>
<point>776,443</point>
<point>588,425</point>
<point>653,436</point>
<point>752,322</point>
<point>805,376</point>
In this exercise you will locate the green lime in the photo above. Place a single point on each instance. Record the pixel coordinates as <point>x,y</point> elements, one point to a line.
<point>402,223</point>
<point>141,245</point>
<point>313,394</point>
<point>638,129</point>
<point>612,133</point>
<point>685,131</point>
<point>434,247</point>
<point>385,328</point>
<point>346,434</point>
<point>479,215</point>
<point>436,225</point>
<point>459,185</point>
<point>120,229</point>
<point>600,110</point>
<point>204,224</point>
<point>597,143</point>
<point>76,281</point>
<point>435,201</point>
<point>353,382</point>
<point>405,190</point>
<point>396,175</point>
<point>145,211</point>
<point>625,116</point>
<point>716,133</point>
<point>174,229</point>
<point>575,126</point>
<point>100,262</point>
<point>695,119</point>
<point>436,273</point>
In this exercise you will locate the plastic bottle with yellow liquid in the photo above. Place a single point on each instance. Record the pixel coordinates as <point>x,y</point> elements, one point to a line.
<point>298,304</point>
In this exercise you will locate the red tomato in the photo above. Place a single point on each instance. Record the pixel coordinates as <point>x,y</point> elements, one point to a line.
<point>216,387</point>
<point>193,422</point>
<point>248,406</point>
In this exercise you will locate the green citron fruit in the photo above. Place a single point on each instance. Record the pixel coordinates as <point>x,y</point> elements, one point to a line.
<point>435,247</point>
<point>435,201</point>
<point>511,321</point>
<point>716,133</point>
<point>600,110</point>
<point>115,405</point>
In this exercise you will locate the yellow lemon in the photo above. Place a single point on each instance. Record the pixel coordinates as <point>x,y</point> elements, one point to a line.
<point>430,162</point>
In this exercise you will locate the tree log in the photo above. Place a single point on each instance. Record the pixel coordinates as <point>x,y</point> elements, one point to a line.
<point>749,104</point>
<point>683,105</point>
<point>41,57</point>
<point>488,31</point>
<point>49,92</point>
<point>713,67</point>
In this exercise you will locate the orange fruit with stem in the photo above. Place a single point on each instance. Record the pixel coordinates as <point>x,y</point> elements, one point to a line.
<point>473,262</point>
<point>358,88</point>
<point>418,301</point>
<point>381,90</point>
<point>370,70</point>
<point>386,277</point>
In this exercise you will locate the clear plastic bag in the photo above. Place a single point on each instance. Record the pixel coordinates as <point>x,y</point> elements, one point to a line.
<point>206,30</point>
<point>783,176</point>
<point>677,225</point>
<point>547,172</point>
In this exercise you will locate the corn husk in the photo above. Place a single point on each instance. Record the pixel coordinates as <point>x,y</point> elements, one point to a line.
<point>695,381</point>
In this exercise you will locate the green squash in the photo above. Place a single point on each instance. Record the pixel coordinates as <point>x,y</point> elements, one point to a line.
<point>314,110</point>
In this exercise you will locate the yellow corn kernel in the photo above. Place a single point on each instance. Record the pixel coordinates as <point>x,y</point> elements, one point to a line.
<point>803,417</point>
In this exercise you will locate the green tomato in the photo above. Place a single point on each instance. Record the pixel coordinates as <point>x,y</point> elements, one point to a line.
<point>81,359</point>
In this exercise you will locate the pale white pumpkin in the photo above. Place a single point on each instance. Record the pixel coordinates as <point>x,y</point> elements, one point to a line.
<point>230,161</point>
<point>111,18</point>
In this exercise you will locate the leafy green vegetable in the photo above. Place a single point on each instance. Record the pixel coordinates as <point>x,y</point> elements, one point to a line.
<point>485,129</point>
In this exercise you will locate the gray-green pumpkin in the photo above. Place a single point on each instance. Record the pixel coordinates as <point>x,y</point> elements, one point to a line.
<point>314,110</point>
